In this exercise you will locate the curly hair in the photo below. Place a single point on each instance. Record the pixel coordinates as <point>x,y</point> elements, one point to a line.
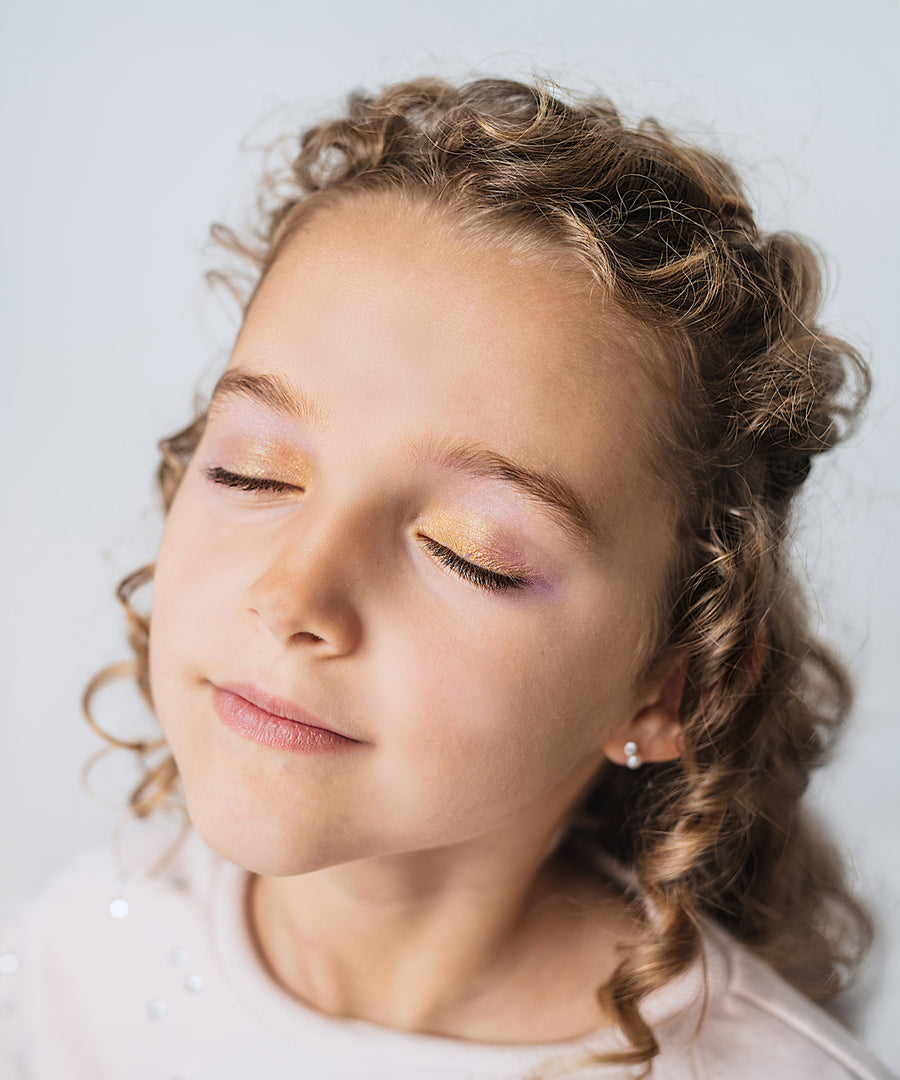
<point>754,389</point>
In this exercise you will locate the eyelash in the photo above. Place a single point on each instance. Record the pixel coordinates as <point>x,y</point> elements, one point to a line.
<point>229,479</point>
<point>479,576</point>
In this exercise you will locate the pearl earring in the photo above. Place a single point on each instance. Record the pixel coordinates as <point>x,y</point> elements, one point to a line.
<point>632,758</point>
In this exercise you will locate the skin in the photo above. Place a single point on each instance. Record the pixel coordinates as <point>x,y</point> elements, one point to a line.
<point>409,881</point>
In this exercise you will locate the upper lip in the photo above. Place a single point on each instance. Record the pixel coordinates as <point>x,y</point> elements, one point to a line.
<point>279,706</point>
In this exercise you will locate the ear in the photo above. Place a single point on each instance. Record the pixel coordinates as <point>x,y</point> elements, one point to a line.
<point>656,726</point>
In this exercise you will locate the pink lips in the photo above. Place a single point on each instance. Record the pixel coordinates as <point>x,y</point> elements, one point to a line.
<point>280,724</point>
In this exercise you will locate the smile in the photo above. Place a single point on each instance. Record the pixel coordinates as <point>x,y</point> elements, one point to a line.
<point>275,723</point>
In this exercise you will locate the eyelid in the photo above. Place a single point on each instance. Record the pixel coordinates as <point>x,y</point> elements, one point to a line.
<point>472,572</point>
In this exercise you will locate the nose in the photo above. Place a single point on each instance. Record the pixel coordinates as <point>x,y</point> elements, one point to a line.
<point>306,595</point>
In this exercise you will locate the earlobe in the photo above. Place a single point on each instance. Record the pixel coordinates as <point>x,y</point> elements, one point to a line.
<point>654,732</point>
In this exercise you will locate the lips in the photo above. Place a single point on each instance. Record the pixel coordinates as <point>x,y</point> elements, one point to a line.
<point>276,721</point>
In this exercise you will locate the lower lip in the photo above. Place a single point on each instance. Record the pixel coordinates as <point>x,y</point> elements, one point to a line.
<point>263,727</point>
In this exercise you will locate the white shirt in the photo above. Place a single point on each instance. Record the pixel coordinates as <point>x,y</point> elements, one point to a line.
<point>154,976</point>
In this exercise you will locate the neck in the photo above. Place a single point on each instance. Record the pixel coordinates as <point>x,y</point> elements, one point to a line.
<point>433,941</point>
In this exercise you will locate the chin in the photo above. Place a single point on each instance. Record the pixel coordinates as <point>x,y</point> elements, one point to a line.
<point>263,848</point>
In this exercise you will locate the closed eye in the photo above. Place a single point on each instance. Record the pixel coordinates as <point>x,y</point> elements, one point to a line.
<point>226,478</point>
<point>469,571</point>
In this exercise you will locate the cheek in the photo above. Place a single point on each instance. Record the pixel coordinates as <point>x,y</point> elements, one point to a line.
<point>203,561</point>
<point>484,724</point>
<point>194,583</point>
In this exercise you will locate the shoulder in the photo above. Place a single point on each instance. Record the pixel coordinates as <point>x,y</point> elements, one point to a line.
<point>67,957</point>
<point>755,1025</point>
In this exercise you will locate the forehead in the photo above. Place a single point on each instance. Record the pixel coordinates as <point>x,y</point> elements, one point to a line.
<point>400,314</point>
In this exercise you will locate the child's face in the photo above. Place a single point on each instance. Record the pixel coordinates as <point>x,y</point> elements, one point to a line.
<point>481,700</point>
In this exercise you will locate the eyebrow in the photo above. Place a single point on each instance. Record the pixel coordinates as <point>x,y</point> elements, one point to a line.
<point>545,488</point>
<point>268,390</point>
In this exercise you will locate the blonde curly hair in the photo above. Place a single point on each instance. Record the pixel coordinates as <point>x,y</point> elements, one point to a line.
<point>755,389</point>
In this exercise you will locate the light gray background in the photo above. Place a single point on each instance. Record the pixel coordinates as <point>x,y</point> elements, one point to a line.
<point>120,127</point>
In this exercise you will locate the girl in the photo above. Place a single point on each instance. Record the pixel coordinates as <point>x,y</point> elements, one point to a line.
<point>474,640</point>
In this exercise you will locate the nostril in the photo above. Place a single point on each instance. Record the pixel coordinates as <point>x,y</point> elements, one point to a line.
<point>302,607</point>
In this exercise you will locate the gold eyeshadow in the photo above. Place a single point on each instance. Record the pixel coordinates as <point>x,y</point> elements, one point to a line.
<point>473,539</point>
<point>261,458</point>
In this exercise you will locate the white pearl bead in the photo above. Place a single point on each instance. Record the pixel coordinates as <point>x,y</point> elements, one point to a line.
<point>119,907</point>
<point>632,758</point>
<point>156,1010</point>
